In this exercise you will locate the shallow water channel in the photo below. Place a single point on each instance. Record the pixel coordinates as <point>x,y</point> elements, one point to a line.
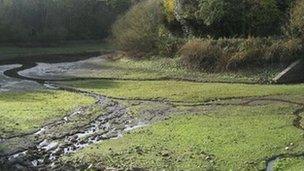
<point>110,122</point>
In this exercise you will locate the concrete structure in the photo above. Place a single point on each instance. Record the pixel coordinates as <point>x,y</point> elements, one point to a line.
<point>292,74</point>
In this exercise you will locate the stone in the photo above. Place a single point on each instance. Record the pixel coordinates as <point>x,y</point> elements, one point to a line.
<point>294,73</point>
<point>58,152</point>
<point>208,158</point>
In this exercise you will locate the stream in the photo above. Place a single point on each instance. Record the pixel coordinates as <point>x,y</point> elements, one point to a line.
<point>106,119</point>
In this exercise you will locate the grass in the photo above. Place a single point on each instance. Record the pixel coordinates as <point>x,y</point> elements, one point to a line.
<point>8,52</point>
<point>183,91</point>
<point>290,164</point>
<point>226,138</point>
<point>236,138</point>
<point>157,68</point>
<point>27,111</point>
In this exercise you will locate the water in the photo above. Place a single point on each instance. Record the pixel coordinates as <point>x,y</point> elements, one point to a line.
<point>271,164</point>
<point>50,86</point>
<point>139,125</point>
<point>48,151</point>
<point>41,131</point>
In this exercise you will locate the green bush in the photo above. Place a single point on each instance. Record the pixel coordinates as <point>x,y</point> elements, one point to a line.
<point>249,52</point>
<point>284,51</point>
<point>222,18</point>
<point>296,26</point>
<point>168,44</point>
<point>200,54</point>
<point>138,30</point>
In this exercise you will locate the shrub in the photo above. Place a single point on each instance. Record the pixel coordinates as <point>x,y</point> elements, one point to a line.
<point>296,26</point>
<point>284,51</point>
<point>248,53</point>
<point>234,54</point>
<point>168,44</point>
<point>138,30</point>
<point>200,54</point>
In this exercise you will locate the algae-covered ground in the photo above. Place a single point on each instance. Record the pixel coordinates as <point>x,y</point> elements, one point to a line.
<point>226,138</point>
<point>191,120</point>
<point>23,112</point>
<point>290,164</point>
<point>180,91</point>
<point>222,126</point>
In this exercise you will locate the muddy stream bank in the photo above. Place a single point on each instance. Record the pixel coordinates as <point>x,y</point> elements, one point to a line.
<point>107,118</point>
<point>40,150</point>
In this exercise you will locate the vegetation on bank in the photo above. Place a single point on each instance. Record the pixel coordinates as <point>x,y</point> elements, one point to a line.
<point>237,54</point>
<point>223,37</point>
<point>235,138</point>
<point>138,28</point>
<point>183,91</point>
<point>172,68</point>
<point>289,164</point>
<point>248,43</point>
<point>28,111</point>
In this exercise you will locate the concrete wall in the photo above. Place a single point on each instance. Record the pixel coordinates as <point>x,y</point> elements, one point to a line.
<point>292,74</point>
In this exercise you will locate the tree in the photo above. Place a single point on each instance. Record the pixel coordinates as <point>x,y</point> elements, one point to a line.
<point>55,20</point>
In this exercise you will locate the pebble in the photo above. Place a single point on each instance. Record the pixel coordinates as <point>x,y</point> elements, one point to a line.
<point>58,151</point>
<point>74,139</point>
<point>207,157</point>
<point>43,143</point>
